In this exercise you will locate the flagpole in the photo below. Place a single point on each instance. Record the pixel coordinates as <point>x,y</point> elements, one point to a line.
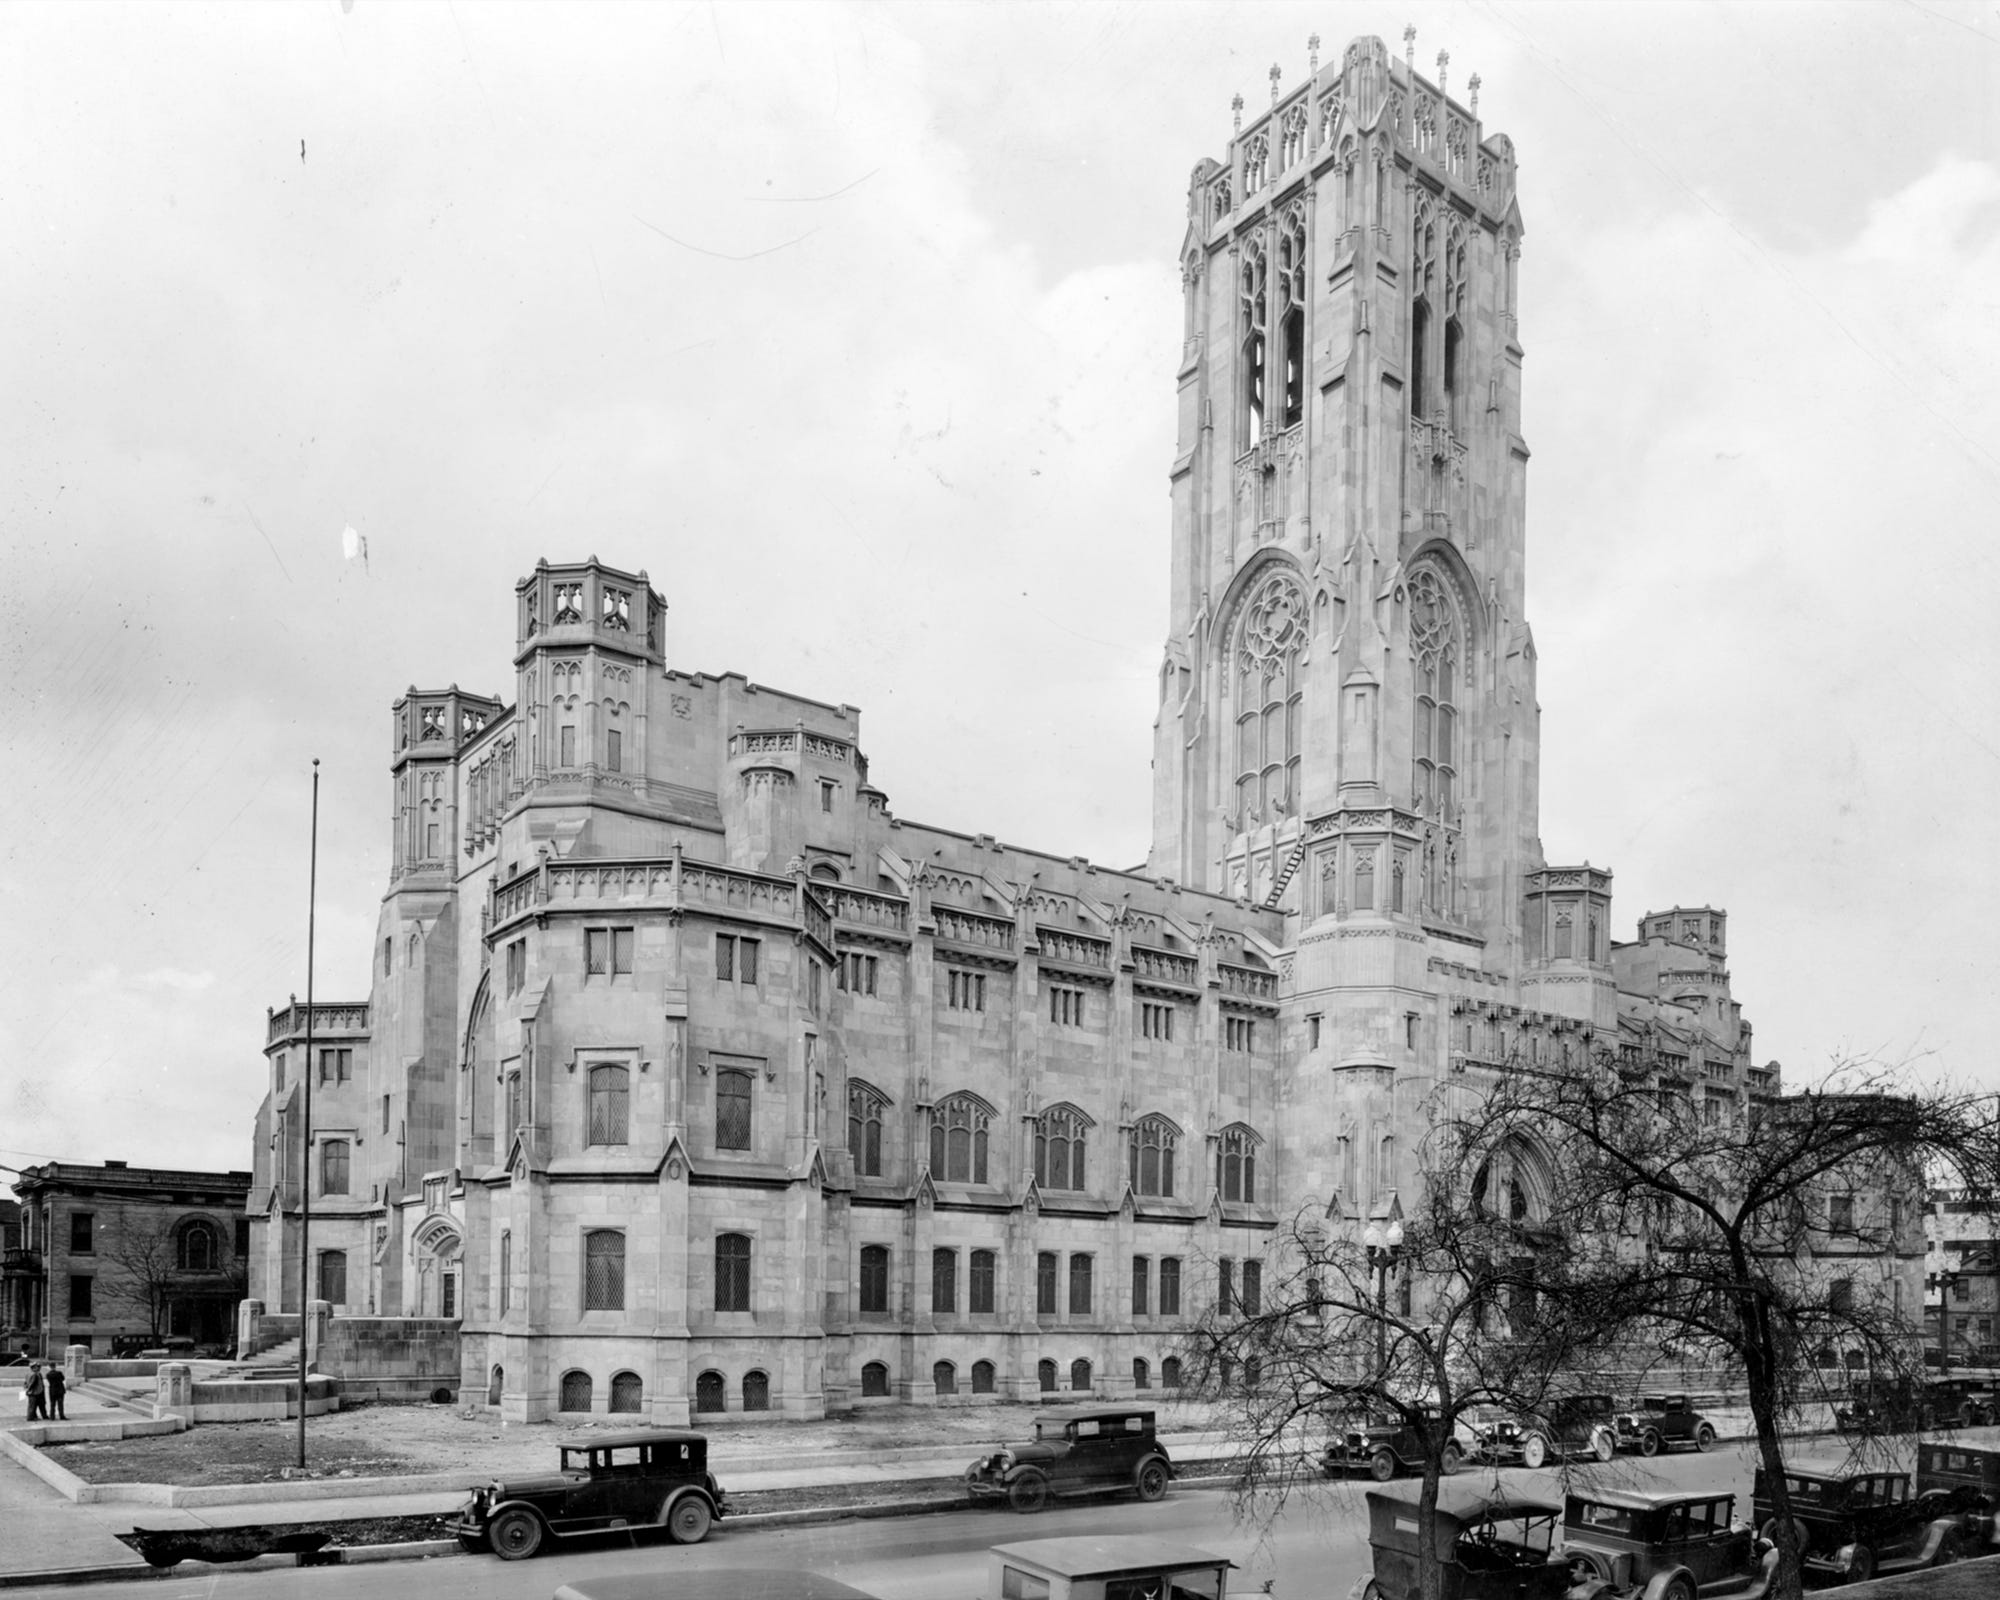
<point>305,1122</point>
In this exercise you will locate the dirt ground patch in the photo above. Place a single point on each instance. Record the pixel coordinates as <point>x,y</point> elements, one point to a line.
<point>384,1441</point>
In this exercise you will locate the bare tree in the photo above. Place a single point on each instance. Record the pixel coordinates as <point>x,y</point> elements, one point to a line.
<point>1760,1233</point>
<point>146,1274</point>
<point>1427,1318</point>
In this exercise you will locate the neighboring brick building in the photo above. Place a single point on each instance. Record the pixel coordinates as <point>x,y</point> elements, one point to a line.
<point>117,1253</point>
<point>1962,1275</point>
<point>692,1077</point>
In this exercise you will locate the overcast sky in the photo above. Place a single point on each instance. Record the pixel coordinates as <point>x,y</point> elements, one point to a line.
<point>856,327</point>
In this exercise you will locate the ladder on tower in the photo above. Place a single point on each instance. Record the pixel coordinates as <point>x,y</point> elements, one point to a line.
<point>1284,877</point>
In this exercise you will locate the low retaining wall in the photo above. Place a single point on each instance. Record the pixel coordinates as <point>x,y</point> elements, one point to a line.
<point>263,1399</point>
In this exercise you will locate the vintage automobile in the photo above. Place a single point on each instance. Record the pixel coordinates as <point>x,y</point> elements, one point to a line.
<point>649,1477</point>
<point>1967,1467</point>
<point>1492,1543</point>
<point>1075,1452</point>
<point>1899,1405</point>
<point>1380,1442</point>
<point>1573,1425</point>
<point>1662,1421</point>
<point>1105,1567</point>
<point>1672,1546</point>
<point>1858,1522</point>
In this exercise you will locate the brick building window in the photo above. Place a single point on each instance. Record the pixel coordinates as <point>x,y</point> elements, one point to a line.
<point>604,1270</point>
<point>735,959</point>
<point>980,1287</point>
<point>196,1248</point>
<point>80,1240</point>
<point>732,1272</point>
<point>607,952</point>
<point>610,1098</point>
<point>874,1280</point>
<point>80,1295</point>
<point>732,1108</point>
<point>865,1106</point>
<point>965,991</point>
<point>944,1282</point>
<point>1142,1272</point>
<point>1045,1283</point>
<point>1079,1285</point>
<point>959,1129</point>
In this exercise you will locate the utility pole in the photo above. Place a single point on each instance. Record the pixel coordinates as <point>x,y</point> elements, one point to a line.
<point>305,1123</point>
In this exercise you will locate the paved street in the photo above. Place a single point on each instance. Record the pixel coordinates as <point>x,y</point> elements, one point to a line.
<point>1316,1549</point>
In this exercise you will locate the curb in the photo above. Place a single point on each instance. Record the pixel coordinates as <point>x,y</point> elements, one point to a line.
<point>429,1549</point>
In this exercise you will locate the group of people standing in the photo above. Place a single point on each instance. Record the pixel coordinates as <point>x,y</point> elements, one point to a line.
<point>44,1390</point>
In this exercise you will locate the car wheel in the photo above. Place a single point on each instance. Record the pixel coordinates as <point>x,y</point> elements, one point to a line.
<point>473,1544</point>
<point>1534,1451</point>
<point>1860,1565</point>
<point>1451,1458</point>
<point>688,1521</point>
<point>1704,1437</point>
<point>1948,1550</point>
<point>515,1535</point>
<point>1582,1570</point>
<point>1602,1445</point>
<point>1649,1442</point>
<point>1152,1479</point>
<point>1029,1494</point>
<point>1382,1466</point>
<point>1680,1587</point>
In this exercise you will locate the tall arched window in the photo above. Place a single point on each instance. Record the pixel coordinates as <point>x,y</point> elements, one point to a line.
<point>1059,1148</point>
<point>865,1105</point>
<point>1236,1160</point>
<point>1454,328</point>
<point>604,1270</point>
<point>609,1098</point>
<point>506,1271</point>
<point>732,1272</point>
<point>1423,301</point>
<point>1154,1140</point>
<point>944,1377</point>
<point>1436,652</point>
<point>1254,313</point>
<point>195,1247</point>
<point>1268,693</point>
<point>1292,324</point>
<point>959,1125</point>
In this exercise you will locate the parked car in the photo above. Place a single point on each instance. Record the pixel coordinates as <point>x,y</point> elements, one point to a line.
<point>1857,1523</point>
<point>1967,1467</point>
<point>1671,1546</point>
<point>1662,1421</point>
<point>1382,1442</point>
<point>1494,1544</point>
<point>1106,1567</point>
<point>1573,1425</point>
<point>1900,1405</point>
<point>1074,1452</point>
<point>650,1477</point>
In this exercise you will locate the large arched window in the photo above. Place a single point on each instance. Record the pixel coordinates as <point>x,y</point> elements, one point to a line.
<point>865,1105</point>
<point>609,1099</point>
<point>1454,328</point>
<point>1059,1147</point>
<point>959,1125</point>
<point>1236,1164</point>
<point>1254,314</point>
<point>196,1247</point>
<point>1437,650</point>
<point>1269,642</point>
<point>1423,300</point>
<point>1154,1141</point>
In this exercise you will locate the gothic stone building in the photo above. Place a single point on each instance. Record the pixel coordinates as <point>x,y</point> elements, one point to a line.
<point>694,1078</point>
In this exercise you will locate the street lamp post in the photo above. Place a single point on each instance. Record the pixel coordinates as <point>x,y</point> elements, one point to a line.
<point>1947,1280</point>
<point>1383,1244</point>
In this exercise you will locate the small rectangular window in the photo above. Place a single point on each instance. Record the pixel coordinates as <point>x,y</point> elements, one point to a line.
<point>242,1236</point>
<point>333,1276</point>
<point>431,841</point>
<point>568,745</point>
<point>732,1109</point>
<point>944,1283</point>
<point>1170,1286</point>
<point>827,789</point>
<point>385,1113</point>
<point>614,750</point>
<point>596,952</point>
<point>1080,1267</point>
<point>874,1280</point>
<point>1312,1031</point>
<point>80,1242</point>
<point>1239,1034</point>
<point>1045,1283</point>
<point>80,1295</point>
<point>517,966</point>
<point>1065,1006</point>
<point>981,1296</point>
<point>1409,1030</point>
<point>1141,1284</point>
<point>1156,1020</point>
<point>1253,1287</point>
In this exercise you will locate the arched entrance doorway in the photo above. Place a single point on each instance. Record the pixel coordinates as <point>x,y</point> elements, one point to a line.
<point>438,1245</point>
